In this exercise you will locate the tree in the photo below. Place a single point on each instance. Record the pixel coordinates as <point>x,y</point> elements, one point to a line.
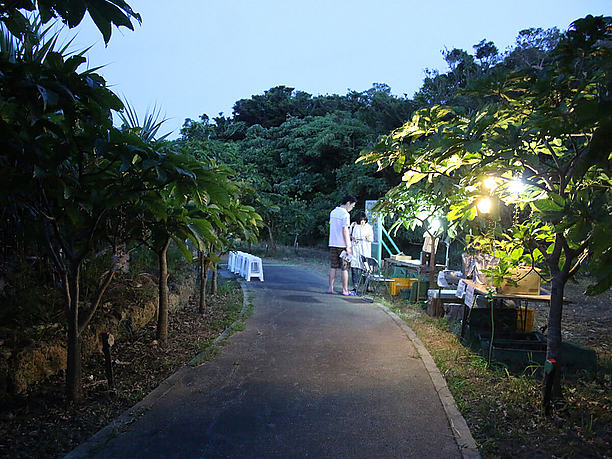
<point>272,108</point>
<point>186,205</point>
<point>105,14</point>
<point>61,162</point>
<point>532,48</point>
<point>486,53</point>
<point>550,128</point>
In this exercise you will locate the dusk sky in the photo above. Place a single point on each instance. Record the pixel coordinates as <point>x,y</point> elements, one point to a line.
<point>200,56</point>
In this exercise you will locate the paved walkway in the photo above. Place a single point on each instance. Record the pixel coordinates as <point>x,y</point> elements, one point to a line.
<point>312,375</point>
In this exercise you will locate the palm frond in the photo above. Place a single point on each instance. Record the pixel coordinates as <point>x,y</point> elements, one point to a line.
<point>150,126</point>
<point>36,43</point>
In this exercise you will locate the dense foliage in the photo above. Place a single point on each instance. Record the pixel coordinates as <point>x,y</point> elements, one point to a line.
<point>546,127</point>
<point>75,187</point>
<point>298,151</point>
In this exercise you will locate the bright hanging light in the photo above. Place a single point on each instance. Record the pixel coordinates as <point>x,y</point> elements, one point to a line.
<point>516,186</point>
<point>484,205</point>
<point>490,183</point>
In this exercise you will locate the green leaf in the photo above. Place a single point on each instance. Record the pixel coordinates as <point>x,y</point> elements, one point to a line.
<point>49,97</point>
<point>557,199</point>
<point>547,205</point>
<point>76,11</point>
<point>102,23</point>
<point>412,177</point>
<point>185,172</point>
<point>473,146</point>
<point>16,23</point>
<point>148,163</point>
<point>471,213</point>
<point>183,249</point>
<point>516,254</point>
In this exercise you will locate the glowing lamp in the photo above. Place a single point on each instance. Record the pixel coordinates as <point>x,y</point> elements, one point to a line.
<point>484,205</point>
<point>516,187</point>
<point>490,183</point>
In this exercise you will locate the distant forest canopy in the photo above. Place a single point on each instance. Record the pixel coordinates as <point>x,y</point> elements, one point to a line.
<point>298,151</point>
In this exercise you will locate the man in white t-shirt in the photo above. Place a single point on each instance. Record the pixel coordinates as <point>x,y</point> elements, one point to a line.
<point>340,240</point>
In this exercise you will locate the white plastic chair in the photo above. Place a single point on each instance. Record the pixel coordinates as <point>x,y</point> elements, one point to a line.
<point>231,259</point>
<point>254,268</point>
<point>237,267</point>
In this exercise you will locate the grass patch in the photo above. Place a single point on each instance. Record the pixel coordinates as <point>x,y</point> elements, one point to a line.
<point>249,310</point>
<point>207,350</point>
<point>503,410</point>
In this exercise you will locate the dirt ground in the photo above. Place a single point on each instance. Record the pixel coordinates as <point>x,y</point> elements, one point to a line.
<point>587,320</point>
<point>41,423</point>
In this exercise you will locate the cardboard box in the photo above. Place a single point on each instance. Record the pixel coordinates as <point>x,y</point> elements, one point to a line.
<point>527,282</point>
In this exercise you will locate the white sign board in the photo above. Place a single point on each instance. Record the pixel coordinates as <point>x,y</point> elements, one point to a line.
<point>377,225</point>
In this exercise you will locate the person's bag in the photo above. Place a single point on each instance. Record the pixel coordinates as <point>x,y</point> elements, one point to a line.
<point>344,256</point>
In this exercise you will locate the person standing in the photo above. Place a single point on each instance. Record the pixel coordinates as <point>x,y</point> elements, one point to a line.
<point>362,236</point>
<point>339,241</point>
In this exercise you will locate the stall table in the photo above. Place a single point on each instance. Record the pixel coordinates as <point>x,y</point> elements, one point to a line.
<point>467,290</point>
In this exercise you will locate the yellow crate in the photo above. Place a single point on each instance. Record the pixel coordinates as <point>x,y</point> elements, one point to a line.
<point>400,283</point>
<point>524,320</point>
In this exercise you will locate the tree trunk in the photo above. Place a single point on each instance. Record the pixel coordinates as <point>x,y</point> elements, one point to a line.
<point>74,390</point>
<point>432,267</point>
<point>554,340</point>
<point>204,265</point>
<point>162,310</point>
<point>213,280</point>
<point>272,241</point>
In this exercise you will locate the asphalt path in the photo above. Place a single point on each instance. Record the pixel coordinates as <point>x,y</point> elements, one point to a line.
<point>312,375</point>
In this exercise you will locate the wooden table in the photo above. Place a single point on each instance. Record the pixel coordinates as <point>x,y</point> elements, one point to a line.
<point>467,290</point>
<point>481,289</point>
<point>412,264</point>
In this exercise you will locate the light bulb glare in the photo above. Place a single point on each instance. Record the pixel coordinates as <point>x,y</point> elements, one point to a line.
<point>484,205</point>
<point>490,183</point>
<point>516,187</point>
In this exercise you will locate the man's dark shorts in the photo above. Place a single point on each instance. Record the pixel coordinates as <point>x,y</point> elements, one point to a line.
<point>335,261</point>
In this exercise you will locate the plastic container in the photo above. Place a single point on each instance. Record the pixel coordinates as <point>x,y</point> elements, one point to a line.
<point>399,283</point>
<point>524,320</point>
